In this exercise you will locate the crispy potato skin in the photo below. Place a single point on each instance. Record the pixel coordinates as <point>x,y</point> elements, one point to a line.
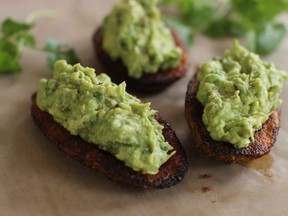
<point>147,83</point>
<point>170,173</point>
<point>264,139</point>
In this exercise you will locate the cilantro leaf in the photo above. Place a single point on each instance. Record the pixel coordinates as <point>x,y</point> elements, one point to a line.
<point>27,40</point>
<point>269,39</point>
<point>259,11</point>
<point>9,57</point>
<point>11,27</point>
<point>57,51</point>
<point>184,31</point>
<point>200,14</point>
<point>9,64</point>
<point>8,47</point>
<point>225,27</point>
<point>14,35</point>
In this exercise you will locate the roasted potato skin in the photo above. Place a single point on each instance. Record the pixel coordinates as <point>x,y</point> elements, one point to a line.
<point>264,139</point>
<point>149,83</point>
<point>170,173</point>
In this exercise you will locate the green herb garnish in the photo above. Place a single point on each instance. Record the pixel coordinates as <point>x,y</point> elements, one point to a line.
<point>254,20</point>
<point>16,35</point>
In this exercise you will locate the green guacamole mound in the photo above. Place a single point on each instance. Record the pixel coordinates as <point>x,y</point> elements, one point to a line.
<point>103,113</point>
<point>238,92</point>
<point>135,33</point>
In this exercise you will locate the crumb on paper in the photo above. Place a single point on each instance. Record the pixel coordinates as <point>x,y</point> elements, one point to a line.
<point>268,175</point>
<point>206,189</point>
<point>205,176</point>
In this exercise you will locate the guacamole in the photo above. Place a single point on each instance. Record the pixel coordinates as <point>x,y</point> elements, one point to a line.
<point>135,33</point>
<point>238,92</point>
<point>103,113</point>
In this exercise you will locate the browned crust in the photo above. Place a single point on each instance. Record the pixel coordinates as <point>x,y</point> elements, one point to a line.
<point>264,139</point>
<point>170,173</point>
<point>147,83</point>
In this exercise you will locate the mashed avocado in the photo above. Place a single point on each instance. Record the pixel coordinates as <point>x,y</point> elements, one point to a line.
<point>238,92</point>
<point>103,113</point>
<point>135,33</point>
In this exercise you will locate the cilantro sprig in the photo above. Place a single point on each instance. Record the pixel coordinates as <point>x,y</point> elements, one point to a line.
<point>57,51</point>
<point>15,35</point>
<point>253,20</point>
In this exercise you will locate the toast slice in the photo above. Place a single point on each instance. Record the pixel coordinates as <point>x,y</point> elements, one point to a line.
<point>264,139</point>
<point>148,82</point>
<point>170,173</point>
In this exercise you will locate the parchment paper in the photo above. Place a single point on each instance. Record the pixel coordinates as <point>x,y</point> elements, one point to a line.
<point>37,179</point>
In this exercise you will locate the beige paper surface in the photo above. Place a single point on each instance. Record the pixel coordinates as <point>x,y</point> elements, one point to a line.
<point>37,179</point>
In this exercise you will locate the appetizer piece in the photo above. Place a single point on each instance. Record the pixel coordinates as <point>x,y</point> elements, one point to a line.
<point>231,106</point>
<point>137,47</point>
<point>99,124</point>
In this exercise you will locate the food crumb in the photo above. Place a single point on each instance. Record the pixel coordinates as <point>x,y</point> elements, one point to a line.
<point>206,189</point>
<point>204,176</point>
<point>268,175</point>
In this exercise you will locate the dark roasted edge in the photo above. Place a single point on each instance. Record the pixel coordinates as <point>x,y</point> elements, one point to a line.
<point>170,173</point>
<point>148,83</point>
<point>264,139</point>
